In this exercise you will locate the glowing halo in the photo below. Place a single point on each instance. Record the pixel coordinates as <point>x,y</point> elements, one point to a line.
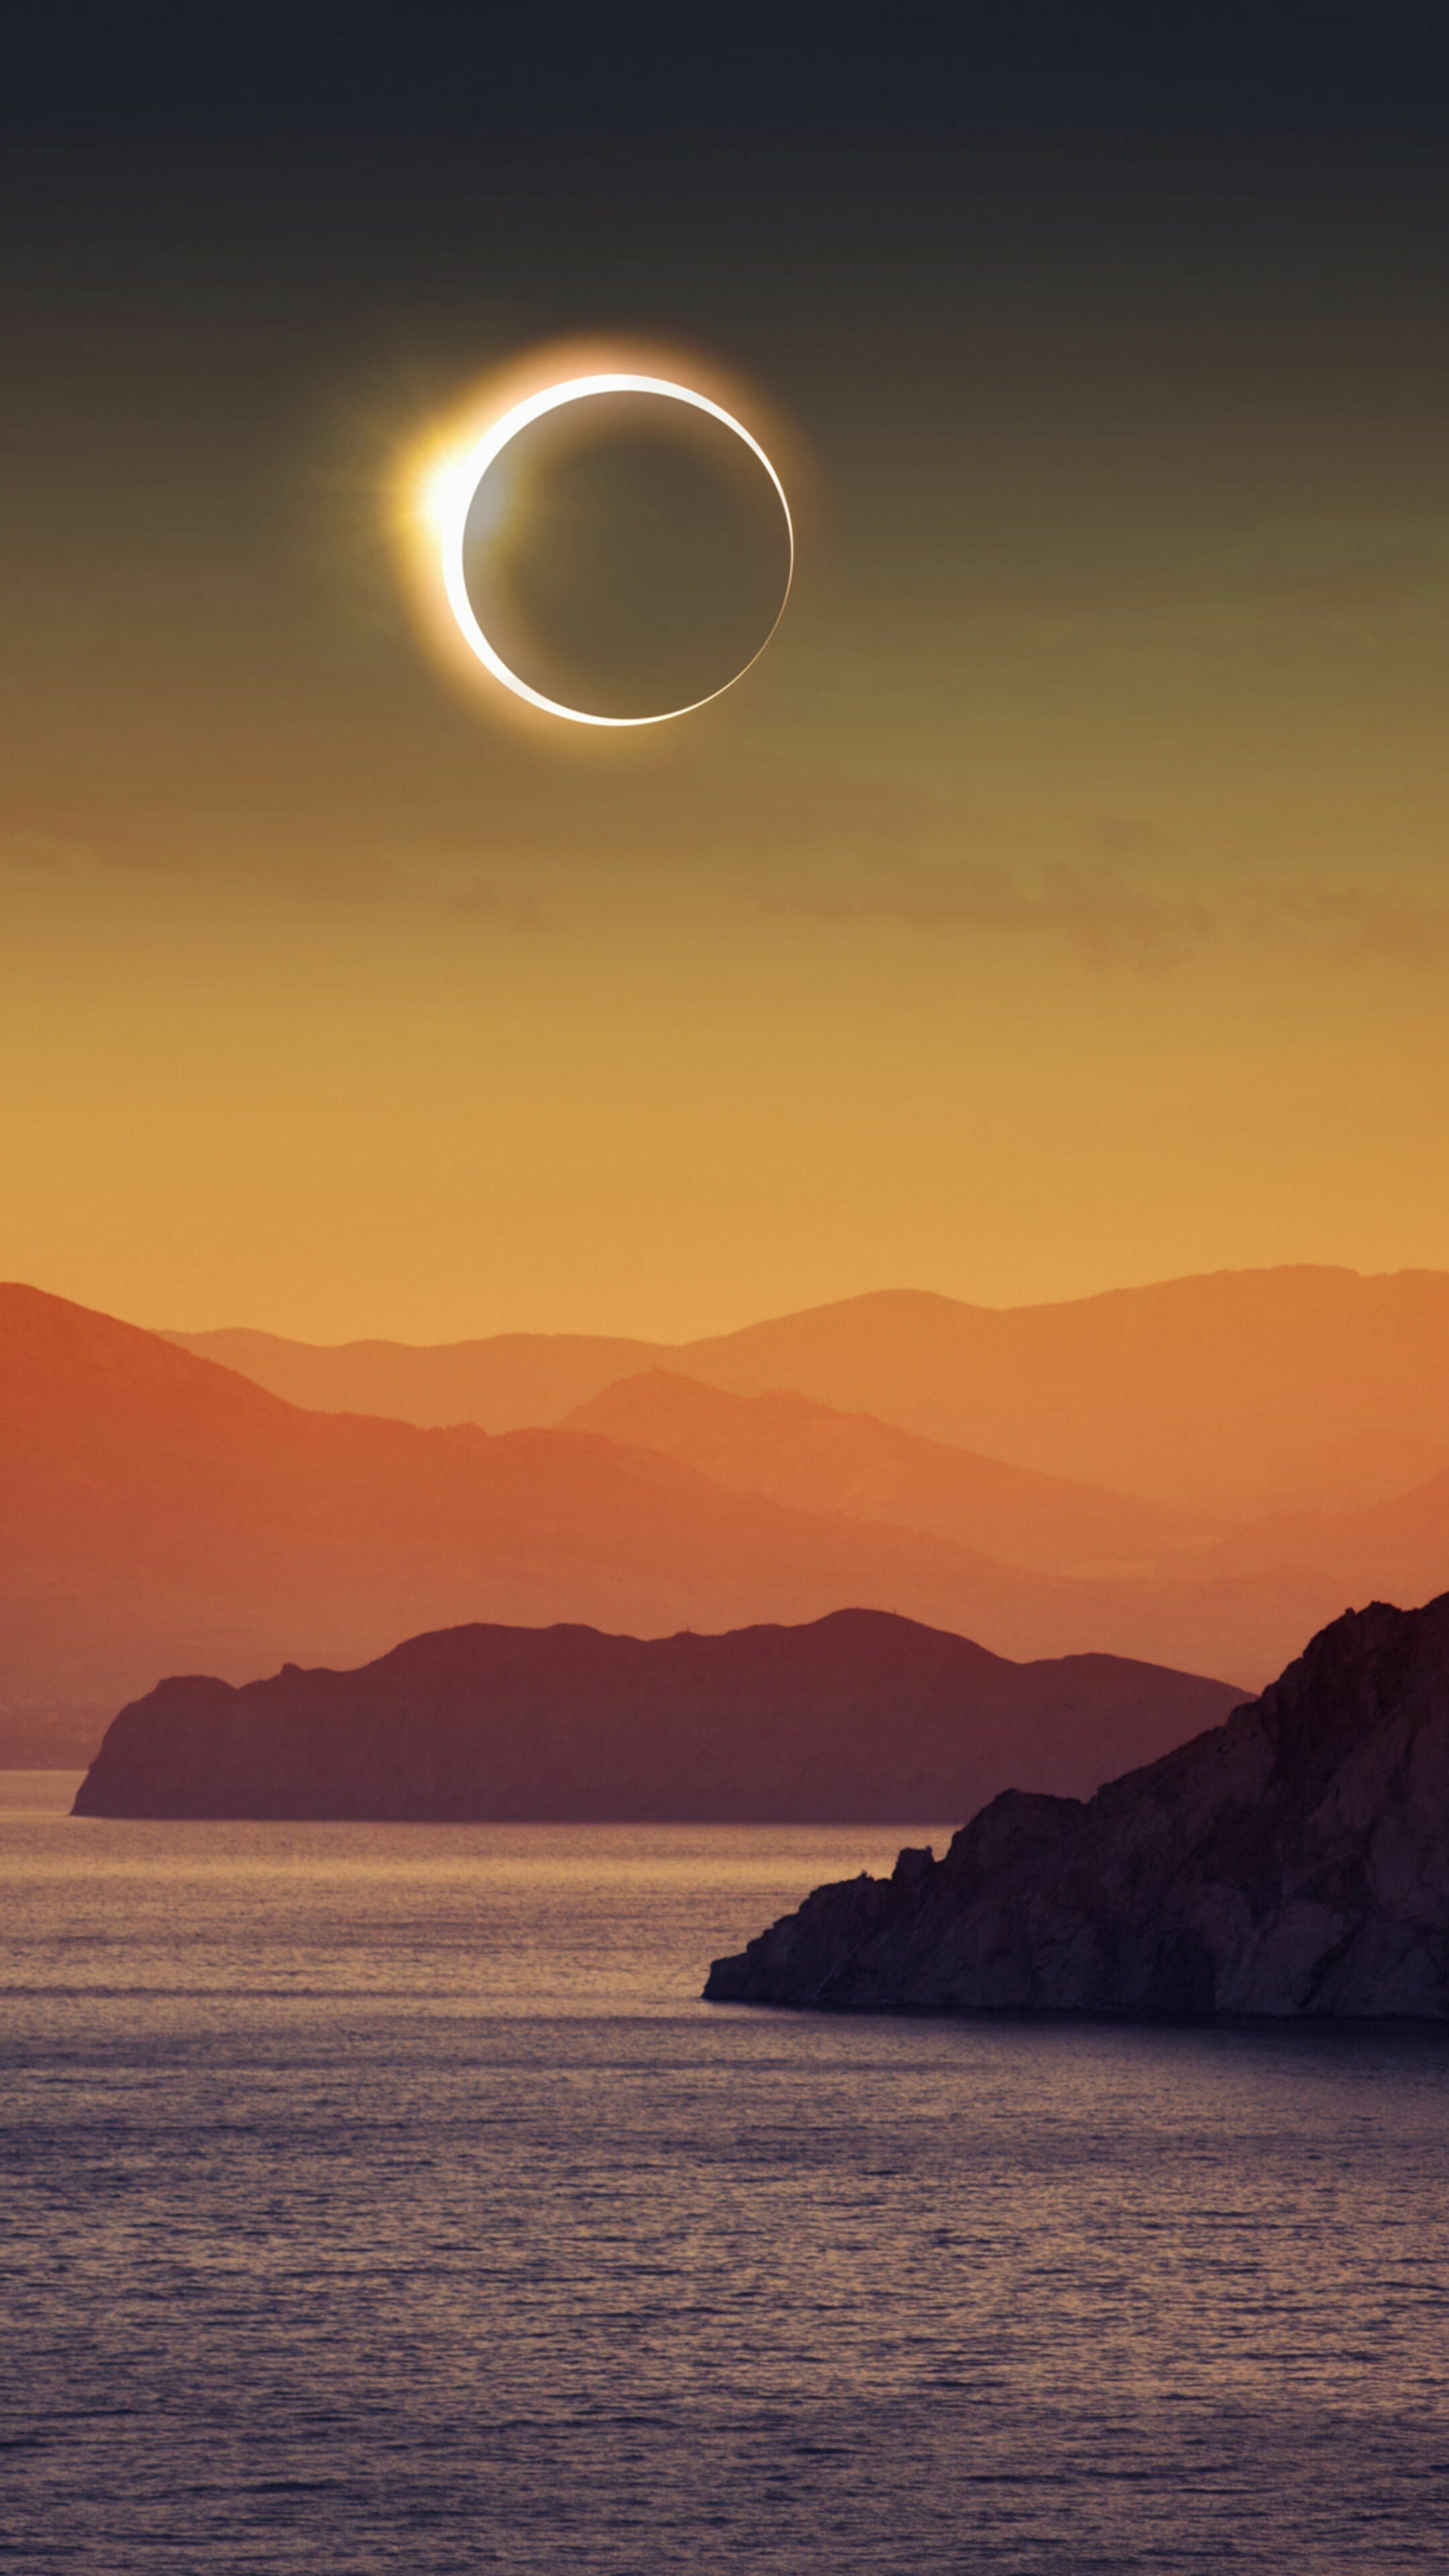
<point>455,490</point>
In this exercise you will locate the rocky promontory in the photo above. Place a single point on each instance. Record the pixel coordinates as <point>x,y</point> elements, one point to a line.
<point>1292,1862</point>
<point>860,1717</point>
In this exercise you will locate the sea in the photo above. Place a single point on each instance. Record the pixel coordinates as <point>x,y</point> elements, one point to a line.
<point>384,2198</point>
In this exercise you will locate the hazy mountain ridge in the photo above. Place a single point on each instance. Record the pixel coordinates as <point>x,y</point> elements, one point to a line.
<point>1221,1392</point>
<point>816,1458</point>
<point>851,1718</point>
<point>1291,1863</point>
<point>1146,1579</point>
<point>508,1382</point>
<point>158,1511</point>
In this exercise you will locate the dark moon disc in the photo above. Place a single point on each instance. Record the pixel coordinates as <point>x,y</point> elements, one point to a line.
<point>623,557</point>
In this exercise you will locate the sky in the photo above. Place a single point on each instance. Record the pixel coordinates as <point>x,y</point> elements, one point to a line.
<point>1062,899</point>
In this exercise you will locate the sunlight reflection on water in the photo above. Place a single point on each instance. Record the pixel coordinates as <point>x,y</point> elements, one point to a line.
<point>382,2198</point>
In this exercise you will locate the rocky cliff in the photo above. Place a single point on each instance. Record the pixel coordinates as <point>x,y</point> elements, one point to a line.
<point>1292,1862</point>
<point>853,1718</point>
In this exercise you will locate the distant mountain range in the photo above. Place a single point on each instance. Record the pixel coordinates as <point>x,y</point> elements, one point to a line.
<point>159,1512</point>
<point>856,1718</point>
<point>1241,1392</point>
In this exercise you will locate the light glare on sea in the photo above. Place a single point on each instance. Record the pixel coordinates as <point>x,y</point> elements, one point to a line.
<point>382,2198</point>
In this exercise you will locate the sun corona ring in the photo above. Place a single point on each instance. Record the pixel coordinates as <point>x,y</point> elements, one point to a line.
<point>457,485</point>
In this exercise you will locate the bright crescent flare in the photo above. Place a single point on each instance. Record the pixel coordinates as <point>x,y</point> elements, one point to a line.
<point>459,485</point>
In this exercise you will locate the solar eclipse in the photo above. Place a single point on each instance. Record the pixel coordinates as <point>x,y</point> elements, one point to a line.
<point>616,532</point>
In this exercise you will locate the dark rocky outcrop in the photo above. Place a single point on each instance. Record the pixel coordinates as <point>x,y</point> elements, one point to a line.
<point>1293,1862</point>
<point>858,1717</point>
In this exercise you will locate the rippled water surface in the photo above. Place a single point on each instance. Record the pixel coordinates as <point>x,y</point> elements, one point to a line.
<point>381,2198</point>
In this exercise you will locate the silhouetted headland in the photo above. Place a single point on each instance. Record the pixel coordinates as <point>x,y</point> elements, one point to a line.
<point>857,1717</point>
<point>1292,1862</point>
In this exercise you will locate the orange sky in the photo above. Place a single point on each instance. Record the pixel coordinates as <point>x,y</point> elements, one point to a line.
<point>1061,902</point>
